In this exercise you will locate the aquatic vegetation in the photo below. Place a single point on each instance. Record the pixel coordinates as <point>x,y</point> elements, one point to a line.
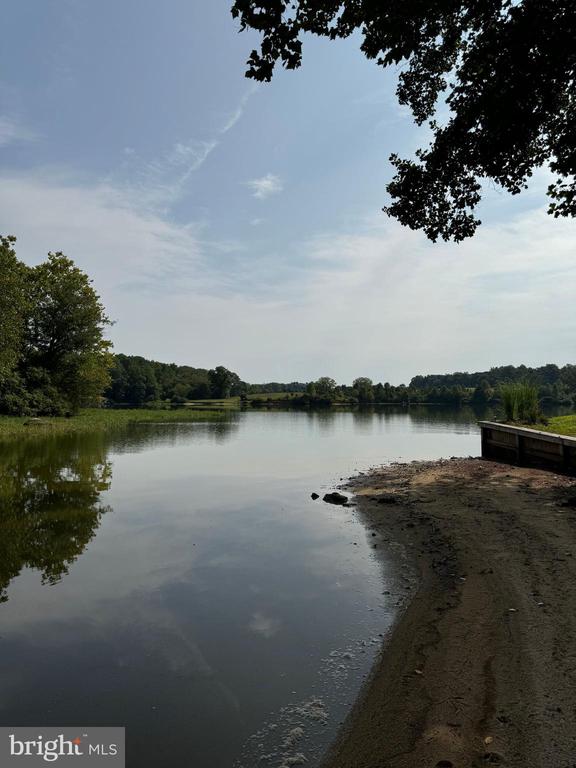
<point>520,401</point>
<point>97,419</point>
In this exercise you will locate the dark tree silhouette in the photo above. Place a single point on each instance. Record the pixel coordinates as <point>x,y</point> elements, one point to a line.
<point>506,69</point>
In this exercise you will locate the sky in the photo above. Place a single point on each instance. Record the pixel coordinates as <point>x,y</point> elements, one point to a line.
<point>231,223</point>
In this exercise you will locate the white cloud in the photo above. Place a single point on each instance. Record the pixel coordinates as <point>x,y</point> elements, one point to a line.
<point>384,302</point>
<point>375,300</point>
<point>124,246</point>
<point>12,132</point>
<point>266,186</point>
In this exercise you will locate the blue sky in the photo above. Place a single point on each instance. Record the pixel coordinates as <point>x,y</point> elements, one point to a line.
<point>231,223</point>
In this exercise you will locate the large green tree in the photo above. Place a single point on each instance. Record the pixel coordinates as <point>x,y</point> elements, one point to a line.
<point>221,381</point>
<point>54,357</point>
<point>364,389</point>
<point>65,334</point>
<point>505,68</point>
<point>325,387</point>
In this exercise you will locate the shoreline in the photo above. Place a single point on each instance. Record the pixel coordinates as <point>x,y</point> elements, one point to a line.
<point>94,420</point>
<point>479,668</point>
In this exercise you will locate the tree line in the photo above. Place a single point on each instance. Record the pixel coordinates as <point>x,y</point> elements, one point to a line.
<point>55,359</point>
<point>137,381</point>
<point>551,384</point>
<point>554,383</point>
<point>325,391</point>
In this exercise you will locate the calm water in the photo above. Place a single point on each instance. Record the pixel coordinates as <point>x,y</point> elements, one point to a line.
<point>179,580</point>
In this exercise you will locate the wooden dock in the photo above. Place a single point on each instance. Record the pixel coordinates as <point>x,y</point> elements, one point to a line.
<point>528,447</point>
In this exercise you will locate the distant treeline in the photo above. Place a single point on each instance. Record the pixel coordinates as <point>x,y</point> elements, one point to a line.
<point>275,386</point>
<point>137,381</point>
<point>325,391</point>
<point>554,383</point>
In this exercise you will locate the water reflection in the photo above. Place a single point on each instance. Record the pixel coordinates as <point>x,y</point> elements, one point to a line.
<point>209,598</point>
<point>49,504</point>
<point>144,436</point>
<point>50,491</point>
<point>211,591</point>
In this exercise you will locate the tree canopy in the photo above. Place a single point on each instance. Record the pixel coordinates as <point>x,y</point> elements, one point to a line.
<point>137,381</point>
<point>505,68</point>
<point>54,357</point>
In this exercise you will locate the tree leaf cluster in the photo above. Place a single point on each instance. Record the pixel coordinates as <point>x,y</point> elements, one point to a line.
<point>504,72</point>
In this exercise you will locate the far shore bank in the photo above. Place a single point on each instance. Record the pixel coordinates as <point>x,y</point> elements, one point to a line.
<point>99,419</point>
<point>480,669</point>
<point>108,418</point>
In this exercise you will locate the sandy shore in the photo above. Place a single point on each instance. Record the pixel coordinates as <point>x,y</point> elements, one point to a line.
<point>480,669</point>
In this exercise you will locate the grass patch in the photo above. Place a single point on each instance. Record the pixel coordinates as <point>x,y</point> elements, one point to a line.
<point>562,425</point>
<point>100,419</point>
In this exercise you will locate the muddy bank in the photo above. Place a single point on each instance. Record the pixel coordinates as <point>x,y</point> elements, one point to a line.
<point>481,667</point>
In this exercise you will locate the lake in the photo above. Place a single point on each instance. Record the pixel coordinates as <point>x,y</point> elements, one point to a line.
<point>178,579</point>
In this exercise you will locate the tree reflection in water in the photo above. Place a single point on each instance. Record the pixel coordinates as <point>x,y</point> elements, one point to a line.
<point>49,503</point>
<point>50,488</point>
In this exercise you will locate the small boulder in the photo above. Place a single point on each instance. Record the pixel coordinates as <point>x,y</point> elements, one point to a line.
<point>314,496</point>
<point>335,498</point>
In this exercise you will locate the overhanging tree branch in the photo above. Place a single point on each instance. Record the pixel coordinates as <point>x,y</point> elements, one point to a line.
<point>505,68</point>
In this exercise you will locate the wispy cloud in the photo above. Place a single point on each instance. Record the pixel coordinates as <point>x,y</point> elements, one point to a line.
<point>161,182</point>
<point>235,116</point>
<point>123,245</point>
<point>266,186</point>
<point>12,132</point>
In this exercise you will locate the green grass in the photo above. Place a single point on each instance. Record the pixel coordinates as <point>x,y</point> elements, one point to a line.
<point>94,419</point>
<point>273,395</point>
<point>562,425</point>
